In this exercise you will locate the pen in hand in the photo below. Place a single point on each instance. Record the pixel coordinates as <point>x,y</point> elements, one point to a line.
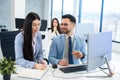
<point>41,65</point>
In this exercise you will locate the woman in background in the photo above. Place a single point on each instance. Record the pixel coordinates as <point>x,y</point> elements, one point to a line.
<point>28,44</point>
<point>55,28</point>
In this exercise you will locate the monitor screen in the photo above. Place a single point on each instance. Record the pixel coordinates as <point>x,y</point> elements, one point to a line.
<point>19,23</point>
<point>99,46</point>
<point>43,25</point>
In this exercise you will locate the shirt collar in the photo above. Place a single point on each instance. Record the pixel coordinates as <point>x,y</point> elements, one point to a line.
<point>66,36</point>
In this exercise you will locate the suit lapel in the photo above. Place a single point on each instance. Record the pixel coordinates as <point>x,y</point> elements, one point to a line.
<point>63,43</point>
<point>74,42</point>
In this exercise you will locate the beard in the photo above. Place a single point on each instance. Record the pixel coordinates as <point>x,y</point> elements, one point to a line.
<point>64,31</point>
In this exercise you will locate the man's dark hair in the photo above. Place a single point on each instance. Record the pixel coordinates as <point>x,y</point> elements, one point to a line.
<point>70,17</point>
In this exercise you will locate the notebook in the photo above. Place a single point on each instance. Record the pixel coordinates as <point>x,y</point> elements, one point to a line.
<point>32,73</point>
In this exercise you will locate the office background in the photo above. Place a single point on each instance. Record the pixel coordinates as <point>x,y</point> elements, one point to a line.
<point>103,13</point>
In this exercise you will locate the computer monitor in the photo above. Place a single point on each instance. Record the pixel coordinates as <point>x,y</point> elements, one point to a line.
<point>99,48</point>
<point>19,23</point>
<point>43,25</point>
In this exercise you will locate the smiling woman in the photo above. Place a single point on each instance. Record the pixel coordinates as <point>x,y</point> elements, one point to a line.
<point>28,44</point>
<point>35,26</point>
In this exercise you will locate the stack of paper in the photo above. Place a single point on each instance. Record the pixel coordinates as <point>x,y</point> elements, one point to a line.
<point>32,73</point>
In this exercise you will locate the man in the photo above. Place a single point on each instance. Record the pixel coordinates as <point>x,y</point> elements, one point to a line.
<point>60,48</point>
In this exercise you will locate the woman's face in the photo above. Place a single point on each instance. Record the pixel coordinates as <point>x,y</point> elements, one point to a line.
<point>55,23</point>
<point>35,25</point>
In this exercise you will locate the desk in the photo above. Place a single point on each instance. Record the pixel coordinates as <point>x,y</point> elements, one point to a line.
<point>93,75</point>
<point>58,75</point>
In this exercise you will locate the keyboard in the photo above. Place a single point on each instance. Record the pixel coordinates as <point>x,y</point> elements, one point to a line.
<point>75,68</point>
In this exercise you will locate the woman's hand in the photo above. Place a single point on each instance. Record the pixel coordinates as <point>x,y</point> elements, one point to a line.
<point>41,66</point>
<point>44,62</point>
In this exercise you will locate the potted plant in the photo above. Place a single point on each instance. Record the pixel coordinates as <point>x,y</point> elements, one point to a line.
<point>7,67</point>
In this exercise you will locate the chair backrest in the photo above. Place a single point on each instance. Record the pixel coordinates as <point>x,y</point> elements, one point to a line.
<point>7,43</point>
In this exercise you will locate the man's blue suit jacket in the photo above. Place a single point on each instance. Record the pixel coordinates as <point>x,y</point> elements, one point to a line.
<point>57,49</point>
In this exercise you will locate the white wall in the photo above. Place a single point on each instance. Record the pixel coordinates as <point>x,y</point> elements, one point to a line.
<point>7,13</point>
<point>47,15</point>
<point>8,10</point>
<point>19,10</point>
<point>35,6</point>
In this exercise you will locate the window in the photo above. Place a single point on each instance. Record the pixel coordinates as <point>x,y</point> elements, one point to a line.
<point>68,6</point>
<point>91,10</point>
<point>57,9</point>
<point>111,18</point>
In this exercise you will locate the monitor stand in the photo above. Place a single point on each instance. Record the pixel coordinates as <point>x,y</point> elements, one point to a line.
<point>110,74</point>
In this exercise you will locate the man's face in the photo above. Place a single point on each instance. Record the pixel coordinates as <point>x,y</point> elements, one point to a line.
<point>66,26</point>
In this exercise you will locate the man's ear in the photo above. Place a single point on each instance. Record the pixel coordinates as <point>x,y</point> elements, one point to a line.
<point>74,24</point>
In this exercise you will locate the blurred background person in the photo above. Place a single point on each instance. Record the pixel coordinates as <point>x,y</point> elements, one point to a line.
<point>54,29</point>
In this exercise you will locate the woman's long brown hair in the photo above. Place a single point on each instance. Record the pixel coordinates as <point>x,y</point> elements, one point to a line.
<point>27,28</point>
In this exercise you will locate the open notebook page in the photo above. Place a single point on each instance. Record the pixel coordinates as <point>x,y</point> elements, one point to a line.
<point>32,73</point>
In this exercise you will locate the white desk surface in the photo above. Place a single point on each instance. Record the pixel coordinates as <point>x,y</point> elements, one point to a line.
<point>93,75</point>
<point>52,74</point>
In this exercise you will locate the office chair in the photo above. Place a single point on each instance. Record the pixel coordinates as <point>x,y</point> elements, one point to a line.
<point>43,25</point>
<point>7,43</point>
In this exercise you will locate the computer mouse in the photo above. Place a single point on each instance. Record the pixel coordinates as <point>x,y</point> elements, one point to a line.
<point>54,66</point>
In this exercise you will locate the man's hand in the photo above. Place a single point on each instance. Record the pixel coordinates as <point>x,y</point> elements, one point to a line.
<point>63,62</point>
<point>78,54</point>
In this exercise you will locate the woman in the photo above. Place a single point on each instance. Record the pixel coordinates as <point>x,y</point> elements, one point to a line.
<point>55,28</point>
<point>28,44</point>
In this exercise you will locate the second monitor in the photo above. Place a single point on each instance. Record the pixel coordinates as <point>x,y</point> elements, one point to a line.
<point>43,25</point>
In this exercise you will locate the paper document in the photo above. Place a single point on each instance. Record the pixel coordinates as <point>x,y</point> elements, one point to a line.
<point>32,73</point>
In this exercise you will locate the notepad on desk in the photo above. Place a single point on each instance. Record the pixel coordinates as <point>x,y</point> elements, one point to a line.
<point>32,73</point>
